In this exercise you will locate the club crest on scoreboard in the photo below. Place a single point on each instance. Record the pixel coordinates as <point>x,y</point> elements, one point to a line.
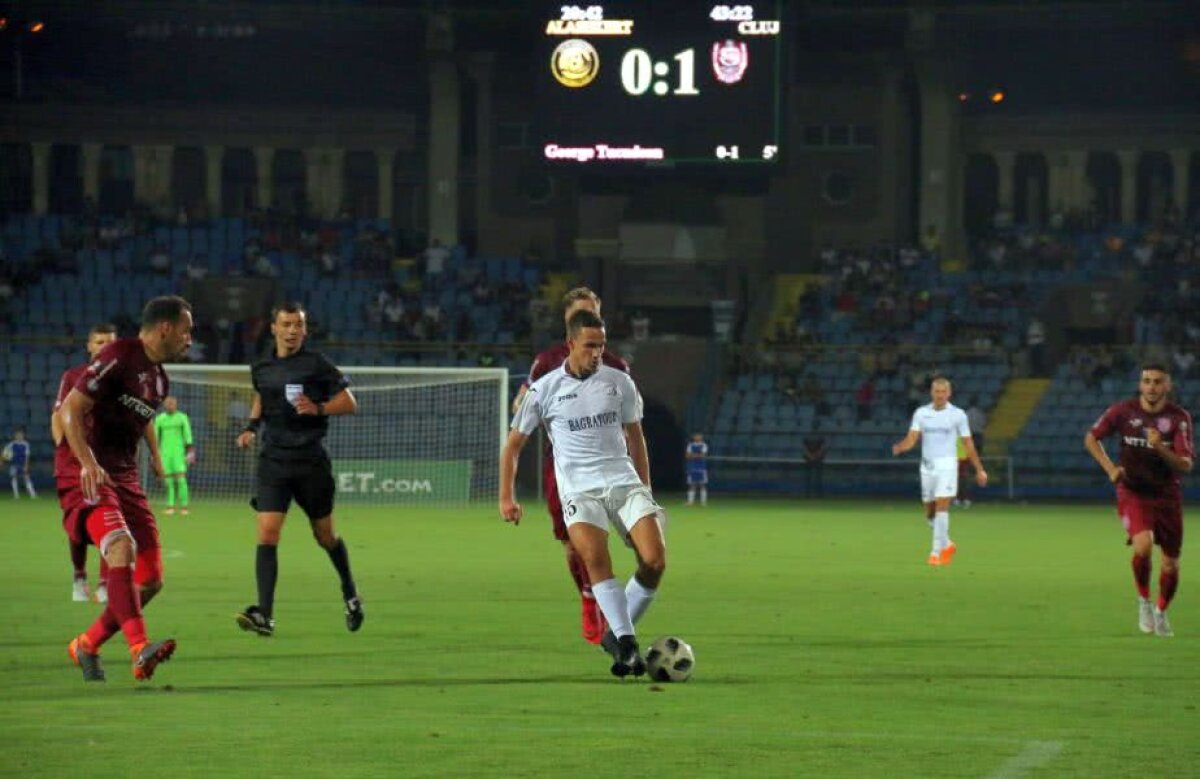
<point>575,63</point>
<point>729,61</point>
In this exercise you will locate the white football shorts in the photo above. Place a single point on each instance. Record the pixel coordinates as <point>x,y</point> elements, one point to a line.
<point>939,480</point>
<point>620,506</point>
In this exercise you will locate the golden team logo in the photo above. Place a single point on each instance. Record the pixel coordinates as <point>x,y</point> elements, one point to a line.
<point>575,63</point>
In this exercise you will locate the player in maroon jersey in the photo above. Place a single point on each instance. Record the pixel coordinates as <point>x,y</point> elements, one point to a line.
<point>103,417</point>
<point>1155,447</point>
<point>100,336</point>
<point>578,299</point>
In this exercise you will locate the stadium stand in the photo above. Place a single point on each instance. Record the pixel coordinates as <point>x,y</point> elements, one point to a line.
<point>68,273</point>
<point>850,350</point>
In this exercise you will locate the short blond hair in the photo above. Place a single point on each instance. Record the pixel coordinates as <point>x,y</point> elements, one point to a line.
<point>579,293</point>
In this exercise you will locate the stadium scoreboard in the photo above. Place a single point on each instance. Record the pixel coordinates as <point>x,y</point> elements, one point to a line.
<point>637,83</point>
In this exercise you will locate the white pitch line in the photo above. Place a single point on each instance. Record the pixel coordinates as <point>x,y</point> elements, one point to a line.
<point>1035,755</point>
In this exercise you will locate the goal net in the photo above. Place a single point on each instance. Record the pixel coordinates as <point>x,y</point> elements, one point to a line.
<point>421,435</point>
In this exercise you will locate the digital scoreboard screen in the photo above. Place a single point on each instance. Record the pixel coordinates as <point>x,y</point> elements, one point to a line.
<point>640,83</point>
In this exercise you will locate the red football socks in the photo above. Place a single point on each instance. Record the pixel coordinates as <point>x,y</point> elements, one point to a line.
<point>102,629</point>
<point>125,605</point>
<point>1141,575</point>
<point>1168,582</point>
<point>121,591</point>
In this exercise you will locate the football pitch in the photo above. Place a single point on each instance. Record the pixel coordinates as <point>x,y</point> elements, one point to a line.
<point>825,646</point>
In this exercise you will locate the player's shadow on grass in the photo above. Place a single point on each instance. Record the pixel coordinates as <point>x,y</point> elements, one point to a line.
<point>416,682</point>
<point>272,657</point>
<point>215,658</point>
<point>165,686</point>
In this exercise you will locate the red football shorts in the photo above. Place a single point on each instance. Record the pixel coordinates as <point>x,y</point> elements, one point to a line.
<point>553,504</point>
<point>121,508</point>
<point>1161,515</point>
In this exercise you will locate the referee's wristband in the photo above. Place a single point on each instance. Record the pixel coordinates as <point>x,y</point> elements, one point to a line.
<point>252,426</point>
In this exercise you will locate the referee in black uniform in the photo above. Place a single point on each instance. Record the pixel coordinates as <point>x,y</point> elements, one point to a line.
<point>295,390</point>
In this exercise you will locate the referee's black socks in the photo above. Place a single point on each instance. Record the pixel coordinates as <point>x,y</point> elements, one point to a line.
<point>266,571</point>
<point>341,561</point>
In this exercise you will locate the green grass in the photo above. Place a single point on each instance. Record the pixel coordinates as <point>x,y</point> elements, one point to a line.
<point>825,647</point>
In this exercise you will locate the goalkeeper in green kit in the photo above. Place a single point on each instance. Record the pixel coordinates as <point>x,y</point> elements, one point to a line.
<point>174,431</point>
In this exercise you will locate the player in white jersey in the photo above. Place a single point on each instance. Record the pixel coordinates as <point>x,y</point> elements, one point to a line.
<point>938,426</point>
<point>593,414</point>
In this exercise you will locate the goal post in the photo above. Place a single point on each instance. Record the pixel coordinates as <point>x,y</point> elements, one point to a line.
<point>421,435</point>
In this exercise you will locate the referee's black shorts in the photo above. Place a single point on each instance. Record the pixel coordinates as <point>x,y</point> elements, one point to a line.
<point>309,481</point>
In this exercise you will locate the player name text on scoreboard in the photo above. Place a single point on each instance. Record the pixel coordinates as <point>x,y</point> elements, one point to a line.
<point>602,151</point>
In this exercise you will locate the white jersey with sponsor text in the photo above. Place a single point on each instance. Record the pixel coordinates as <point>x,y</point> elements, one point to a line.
<point>586,420</point>
<point>940,430</point>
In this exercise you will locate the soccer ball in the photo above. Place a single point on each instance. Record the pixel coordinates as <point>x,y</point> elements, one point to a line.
<point>670,659</point>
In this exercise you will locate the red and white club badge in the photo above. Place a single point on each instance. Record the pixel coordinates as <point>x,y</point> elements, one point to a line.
<point>729,61</point>
<point>1163,424</point>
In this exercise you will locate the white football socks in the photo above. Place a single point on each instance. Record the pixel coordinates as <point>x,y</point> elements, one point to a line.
<point>611,597</point>
<point>639,597</point>
<point>941,531</point>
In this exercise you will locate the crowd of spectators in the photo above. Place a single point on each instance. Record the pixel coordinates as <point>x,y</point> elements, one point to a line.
<point>440,296</point>
<point>866,288</point>
<point>405,315</point>
<point>882,289</point>
<point>1159,251</point>
<point>903,294</point>
<point>315,241</point>
<point>1167,261</point>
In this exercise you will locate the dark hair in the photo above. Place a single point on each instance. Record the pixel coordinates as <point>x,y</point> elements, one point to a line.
<point>582,319</point>
<point>104,328</point>
<point>579,293</point>
<point>168,308</point>
<point>1156,366</point>
<point>289,307</point>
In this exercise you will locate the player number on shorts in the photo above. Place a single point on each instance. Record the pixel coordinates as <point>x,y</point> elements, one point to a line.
<point>571,508</point>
